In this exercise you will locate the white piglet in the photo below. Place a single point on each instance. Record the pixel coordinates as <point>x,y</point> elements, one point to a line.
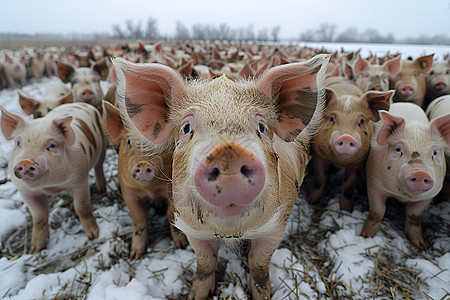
<point>407,161</point>
<point>52,154</point>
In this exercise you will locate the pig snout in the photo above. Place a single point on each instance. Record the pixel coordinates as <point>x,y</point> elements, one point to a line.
<point>419,181</point>
<point>407,90</point>
<point>346,145</point>
<point>27,170</point>
<point>230,177</point>
<point>87,95</point>
<point>143,172</point>
<point>377,87</point>
<point>440,85</point>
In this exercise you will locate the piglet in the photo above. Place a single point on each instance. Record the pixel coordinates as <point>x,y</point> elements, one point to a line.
<point>343,138</point>
<point>53,154</point>
<point>85,81</point>
<point>15,70</point>
<point>141,177</point>
<point>410,84</point>
<point>438,107</point>
<point>54,96</point>
<point>406,161</point>
<point>438,81</point>
<point>240,153</point>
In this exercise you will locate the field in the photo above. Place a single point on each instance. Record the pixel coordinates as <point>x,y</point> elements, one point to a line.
<point>321,256</point>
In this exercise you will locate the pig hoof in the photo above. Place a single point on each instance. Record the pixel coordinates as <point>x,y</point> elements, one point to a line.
<point>179,239</point>
<point>136,255</point>
<point>35,248</point>
<point>92,233</point>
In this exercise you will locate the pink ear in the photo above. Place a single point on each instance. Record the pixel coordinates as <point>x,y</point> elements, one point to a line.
<point>297,89</point>
<point>28,104</point>
<point>142,92</point>
<point>393,66</point>
<point>425,63</point>
<point>64,71</point>
<point>360,65</point>
<point>112,121</point>
<point>330,96</point>
<point>377,101</point>
<point>101,68</point>
<point>442,126</point>
<point>63,126</point>
<point>9,122</point>
<point>389,125</point>
<point>68,98</point>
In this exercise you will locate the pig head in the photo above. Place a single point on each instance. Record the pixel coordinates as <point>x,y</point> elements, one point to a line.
<point>438,81</point>
<point>410,83</point>
<point>85,81</point>
<point>240,152</point>
<point>56,95</point>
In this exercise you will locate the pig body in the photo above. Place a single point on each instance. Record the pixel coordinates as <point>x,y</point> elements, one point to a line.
<point>15,71</point>
<point>438,81</point>
<point>52,154</point>
<point>85,81</point>
<point>410,83</point>
<point>240,151</point>
<point>37,66</point>
<point>141,177</point>
<point>343,138</point>
<point>406,161</point>
<point>438,107</point>
<point>54,96</point>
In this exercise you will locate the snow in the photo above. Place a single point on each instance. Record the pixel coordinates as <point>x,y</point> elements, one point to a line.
<point>73,266</point>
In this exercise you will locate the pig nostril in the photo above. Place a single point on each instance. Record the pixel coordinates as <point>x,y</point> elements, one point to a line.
<point>32,169</point>
<point>138,170</point>
<point>149,170</point>
<point>214,174</point>
<point>245,171</point>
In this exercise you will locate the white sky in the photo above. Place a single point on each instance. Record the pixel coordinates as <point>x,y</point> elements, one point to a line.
<point>400,17</point>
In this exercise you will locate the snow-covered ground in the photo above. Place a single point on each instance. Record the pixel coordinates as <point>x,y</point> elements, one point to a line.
<point>322,255</point>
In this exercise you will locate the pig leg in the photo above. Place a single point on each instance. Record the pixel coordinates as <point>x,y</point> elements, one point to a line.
<point>259,261</point>
<point>377,209</point>
<point>204,281</point>
<point>81,199</point>
<point>413,225</point>
<point>138,209</point>
<point>348,186</point>
<point>178,237</point>
<point>38,207</point>
<point>320,166</point>
<point>100,181</point>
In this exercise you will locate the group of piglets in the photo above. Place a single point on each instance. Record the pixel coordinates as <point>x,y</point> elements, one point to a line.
<point>228,155</point>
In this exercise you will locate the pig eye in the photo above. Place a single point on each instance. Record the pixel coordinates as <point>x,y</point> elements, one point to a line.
<point>448,72</point>
<point>129,142</point>
<point>51,146</point>
<point>75,81</point>
<point>187,128</point>
<point>261,127</point>
<point>18,144</point>
<point>435,156</point>
<point>432,72</point>
<point>332,119</point>
<point>398,149</point>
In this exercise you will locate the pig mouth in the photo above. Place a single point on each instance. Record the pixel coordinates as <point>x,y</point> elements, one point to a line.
<point>440,86</point>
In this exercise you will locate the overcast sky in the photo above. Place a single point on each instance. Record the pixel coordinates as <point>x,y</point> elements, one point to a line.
<point>402,18</point>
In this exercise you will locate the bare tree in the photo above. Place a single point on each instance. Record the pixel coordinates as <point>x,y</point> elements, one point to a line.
<point>118,32</point>
<point>263,34</point>
<point>308,36</point>
<point>326,32</point>
<point>181,32</point>
<point>134,31</point>
<point>349,35</point>
<point>152,32</point>
<point>275,31</point>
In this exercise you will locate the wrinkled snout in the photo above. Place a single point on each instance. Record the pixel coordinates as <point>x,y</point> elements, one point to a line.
<point>27,170</point>
<point>144,172</point>
<point>230,177</point>
<point>346,145</point>
<point>419,181</point>
<point>87,95</point>
<point>407,90</point>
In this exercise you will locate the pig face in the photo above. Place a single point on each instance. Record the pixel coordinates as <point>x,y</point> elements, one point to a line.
<point>438,79</point>
<point>85,81</point>
<point>373,77</point>
<point>413,155</point>
<point>40,108</point>
<point>346,129</point>
<point>410,83</point>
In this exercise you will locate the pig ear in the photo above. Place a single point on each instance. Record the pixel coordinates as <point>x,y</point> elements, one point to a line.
<point>298,91</point>
<point>64,71</point>
<point>425,62</point>
<point>101,68</point>
<point>441,125</point>
<point>330,97</point>
<point>377,101</point>
<point>112,121</point>
<point>360,65</point>
<point>9,122</point>
<point>393,66</point>
<point>67,98</point>
<point>348,71</point>
<point>143,91</point>
<point>28,104</point>
<point>63,126</point>
<point>390,123</point>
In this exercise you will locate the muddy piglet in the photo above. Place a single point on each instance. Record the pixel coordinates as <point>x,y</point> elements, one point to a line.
<point>406,161</point>
<point>52,154</point>
<point>142,178</point>
<point>240,152</point>
<point>343,138</point>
